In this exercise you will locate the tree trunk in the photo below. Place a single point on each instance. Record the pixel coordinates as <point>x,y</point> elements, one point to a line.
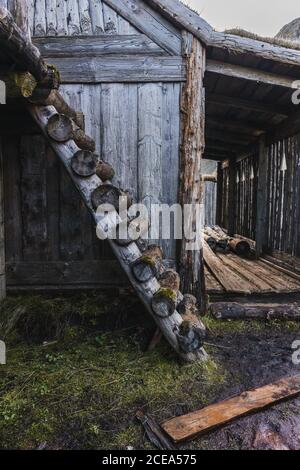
<point>192,148</point>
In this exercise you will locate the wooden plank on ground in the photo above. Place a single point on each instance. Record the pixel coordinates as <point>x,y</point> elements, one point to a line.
<point>211,283</point>
<point>236,264</point>
<point>278,282</point>
<point>227,278</point>
<point>190,425</point>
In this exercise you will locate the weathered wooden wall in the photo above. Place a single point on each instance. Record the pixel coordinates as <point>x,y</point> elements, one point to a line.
<point>283,201</point>
<point>133,113</point>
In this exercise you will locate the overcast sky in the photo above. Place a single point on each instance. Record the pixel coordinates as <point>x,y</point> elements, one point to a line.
<point>264,17</point>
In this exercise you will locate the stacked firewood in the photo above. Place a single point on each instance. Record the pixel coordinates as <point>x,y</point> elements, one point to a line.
<point>219,241</point>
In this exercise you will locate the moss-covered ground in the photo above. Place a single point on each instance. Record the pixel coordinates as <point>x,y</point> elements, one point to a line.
<point>78,370</point>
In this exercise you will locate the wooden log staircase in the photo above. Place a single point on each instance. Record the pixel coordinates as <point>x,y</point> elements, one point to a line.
<point>61,128</point>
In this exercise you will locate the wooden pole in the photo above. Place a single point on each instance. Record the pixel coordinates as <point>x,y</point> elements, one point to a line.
<point>231,196</point>
<point>219,194</point>
<point>2,241</point>
<point>261,218</point>
<point>192,149</point>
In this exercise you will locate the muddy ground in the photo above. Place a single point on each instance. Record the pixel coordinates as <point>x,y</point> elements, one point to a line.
<point>78,371</point>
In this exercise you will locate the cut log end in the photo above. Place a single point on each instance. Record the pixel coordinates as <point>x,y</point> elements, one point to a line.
<point>59,128</point>
<point>240,247</point>
<point>84,163</point>
<point>110,195</point>
<point>149,265</point>
<point>105,171</point>
<point>190,337</point>
<point>164,302</point>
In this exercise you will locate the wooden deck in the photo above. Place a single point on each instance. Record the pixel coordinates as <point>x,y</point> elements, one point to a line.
<point>229,276</point>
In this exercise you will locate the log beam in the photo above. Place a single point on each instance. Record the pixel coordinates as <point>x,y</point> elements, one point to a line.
<point>192,149</point>
<point>250,74</point>
<point>237,311</point>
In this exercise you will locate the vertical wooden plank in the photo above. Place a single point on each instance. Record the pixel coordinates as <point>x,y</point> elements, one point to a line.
<point>150,166</point>
<point>2,231</point>
<point>232,195</point>
<point>219,194</point>
<point>124,27</point>
<point>119,132</point>
<point>31,9</point>
<point>85,18</point>
<point>96,11</point>
<point>76,237</point>
<point>40,25</point>
<point>61,15</point>
<point>261,229</point>
<point>73,19</point>
<point>53,203</point>
<point>170,155</point>
<point>90,106</point>
<point>34,198</point>
<point>110,20</point>
<point>12,197</point>
<point>51,18</point>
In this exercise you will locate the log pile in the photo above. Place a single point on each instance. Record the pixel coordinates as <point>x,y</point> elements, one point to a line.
<point>158,288</point>
<point>219,241</point>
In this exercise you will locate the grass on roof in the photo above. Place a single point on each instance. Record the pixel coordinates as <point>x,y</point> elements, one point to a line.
<point>289,44</point>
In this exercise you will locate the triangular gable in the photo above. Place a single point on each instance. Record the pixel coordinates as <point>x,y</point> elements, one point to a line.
<point>109,17</point>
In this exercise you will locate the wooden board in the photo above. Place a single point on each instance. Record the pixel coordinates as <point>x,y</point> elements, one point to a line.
<point>116,69</point>
<point>212,285</point>
<point>227,278</point>
<point>190,425</point>
<point>260,277</point>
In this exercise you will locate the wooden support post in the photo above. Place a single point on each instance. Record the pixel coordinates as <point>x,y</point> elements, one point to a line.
<point>261,218</point>
<point>231,196</point>
<point>192,148</point>
<point>219,194</point>
<point>2,244</point>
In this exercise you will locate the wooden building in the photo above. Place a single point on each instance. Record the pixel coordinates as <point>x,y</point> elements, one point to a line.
<point>160,91</point>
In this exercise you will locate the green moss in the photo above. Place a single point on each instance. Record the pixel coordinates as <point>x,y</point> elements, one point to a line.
<point>241,326</point>
<point>168,293</point>
<point>148,260</point>
<point>84,390</point>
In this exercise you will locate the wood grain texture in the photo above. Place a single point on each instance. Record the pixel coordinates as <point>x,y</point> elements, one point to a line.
<point>193,424</point>
<point>192,148</point>
<point>247,73</point>
<point>97,46</point>
<point>120,69</point>
<point>151,23</point>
